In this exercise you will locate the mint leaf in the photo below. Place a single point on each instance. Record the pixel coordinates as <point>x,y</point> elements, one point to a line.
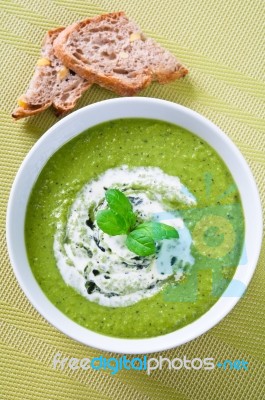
<point>159,231</point>
<point>117,201</point>
<point>120,219</point>
<point>139,243</point>
<point>142,240</point>
<point>111,223</point>
<point>121,205</point>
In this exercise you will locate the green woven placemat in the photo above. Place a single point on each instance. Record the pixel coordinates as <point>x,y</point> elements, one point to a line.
<point>221,43</point>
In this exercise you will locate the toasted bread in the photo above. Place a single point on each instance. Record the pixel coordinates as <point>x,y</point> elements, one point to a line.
<point>52,84</point>
<point>111,50</point>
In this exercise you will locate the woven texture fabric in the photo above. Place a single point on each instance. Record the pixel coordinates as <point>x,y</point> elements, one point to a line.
<point>221,43</point>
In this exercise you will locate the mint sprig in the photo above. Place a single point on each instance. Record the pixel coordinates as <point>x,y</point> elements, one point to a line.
<point>120,219</point>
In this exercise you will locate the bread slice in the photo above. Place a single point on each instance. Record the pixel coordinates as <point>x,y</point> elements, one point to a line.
<point>51,84</point>
<point>111,50</point>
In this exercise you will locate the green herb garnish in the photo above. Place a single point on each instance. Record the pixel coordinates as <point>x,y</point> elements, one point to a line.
<point>120,219</point>
<point>142,239</point>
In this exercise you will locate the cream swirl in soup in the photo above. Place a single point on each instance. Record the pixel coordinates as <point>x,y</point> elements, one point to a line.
<point>100,267</point>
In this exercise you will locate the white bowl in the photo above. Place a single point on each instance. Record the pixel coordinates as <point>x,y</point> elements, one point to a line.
<point>71,126</point>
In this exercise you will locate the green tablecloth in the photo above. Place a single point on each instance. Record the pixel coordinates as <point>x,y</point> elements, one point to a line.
<point>221,43</point>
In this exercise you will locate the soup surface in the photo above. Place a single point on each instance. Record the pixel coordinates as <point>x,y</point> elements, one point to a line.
<point>169,175</point>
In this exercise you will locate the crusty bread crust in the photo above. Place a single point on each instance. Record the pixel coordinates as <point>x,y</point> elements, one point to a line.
<point>81,65</point>
<point>21,112</point>
<point>62,94</point>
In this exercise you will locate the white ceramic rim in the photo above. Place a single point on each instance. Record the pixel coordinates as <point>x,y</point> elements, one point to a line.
<point>72,125</point>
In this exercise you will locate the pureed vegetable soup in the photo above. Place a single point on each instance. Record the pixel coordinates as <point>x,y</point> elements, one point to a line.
<point>169,175</point>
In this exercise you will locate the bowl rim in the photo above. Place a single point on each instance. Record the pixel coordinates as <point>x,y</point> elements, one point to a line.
<point>63,323</point>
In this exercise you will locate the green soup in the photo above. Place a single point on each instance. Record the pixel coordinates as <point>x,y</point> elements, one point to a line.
<point>216,223</point>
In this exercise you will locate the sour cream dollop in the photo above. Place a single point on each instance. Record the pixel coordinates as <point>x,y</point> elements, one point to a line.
<point>100,267</point>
